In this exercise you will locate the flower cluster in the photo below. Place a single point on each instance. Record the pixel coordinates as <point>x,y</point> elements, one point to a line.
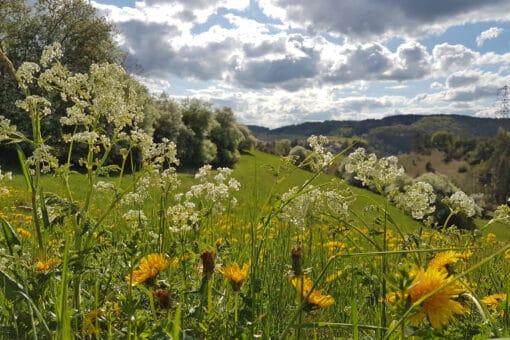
<point>418,199</point>
<point>460,202</point>
<point>315,203</point>
<point>182,216</point>
<point>323,158</point>
<point>214,189</point>
<point>372,171</point>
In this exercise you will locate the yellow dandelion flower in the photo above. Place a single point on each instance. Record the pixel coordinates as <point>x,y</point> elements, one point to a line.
<point>304,285</point>
<point>150,266</point>
<point>236,275</point>
<point>23,232</point>
<point>44,265</point>
<point>441,307</point>
<point>89,322</point>
<point>491,237</point>
<point>333,277</point>
<point>507,254</point>
<point>493,301</point>
<point>444,259</point>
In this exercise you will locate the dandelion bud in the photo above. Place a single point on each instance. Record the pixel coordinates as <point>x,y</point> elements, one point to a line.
<point>207,257</point>
<point>297,254</point>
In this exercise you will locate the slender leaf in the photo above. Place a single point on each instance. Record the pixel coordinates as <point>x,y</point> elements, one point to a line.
<point>25,170</point>
<point>10,235</point>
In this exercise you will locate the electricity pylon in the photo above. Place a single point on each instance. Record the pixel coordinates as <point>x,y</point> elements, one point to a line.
<point>504,109</point>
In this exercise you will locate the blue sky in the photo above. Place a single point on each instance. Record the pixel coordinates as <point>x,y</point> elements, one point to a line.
<point>281,62</point>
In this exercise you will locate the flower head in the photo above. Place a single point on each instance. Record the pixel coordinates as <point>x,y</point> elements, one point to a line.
<point>236,275</point>
<point>442,260</point>
<point>150,266</point>
<point>314,298</point>
<point>440,307</point>
<point>44,265</point>
<point>494,301</point>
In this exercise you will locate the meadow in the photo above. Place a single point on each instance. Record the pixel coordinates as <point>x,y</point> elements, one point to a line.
<point>135,250</point>
<point>235,272</point>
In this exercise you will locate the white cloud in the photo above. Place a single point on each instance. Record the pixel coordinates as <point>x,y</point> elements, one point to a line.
<point>491,33</point>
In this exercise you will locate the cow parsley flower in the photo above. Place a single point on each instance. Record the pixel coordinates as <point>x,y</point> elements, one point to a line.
<point>418,199</point>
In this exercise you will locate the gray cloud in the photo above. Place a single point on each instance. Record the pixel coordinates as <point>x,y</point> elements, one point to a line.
<point>362,62</point>
<point>148,47</point>
<point>358,18</point>
<point>193,4</point>
<point>413,62</point>
<point>462,79</point>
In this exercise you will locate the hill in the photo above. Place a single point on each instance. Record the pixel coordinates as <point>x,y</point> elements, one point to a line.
<point>394,134</point>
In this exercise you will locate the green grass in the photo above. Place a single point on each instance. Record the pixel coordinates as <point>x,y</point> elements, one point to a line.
<point>354,261</point>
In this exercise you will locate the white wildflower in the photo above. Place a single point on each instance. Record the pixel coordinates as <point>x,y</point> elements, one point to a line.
<point>35,104</point>
<point>26,72</point>
<point>372,171</point>
<point>315,203</point>
<point>105,187</point>
<point>135,216</point>
<point>6,129</point>
<point>418,199</point>
<point>324,158</point>
<point>214,191</point>
<point>50,53</point>
<point>182,216</point>
<point>460,202</point>
<point>43,157</point>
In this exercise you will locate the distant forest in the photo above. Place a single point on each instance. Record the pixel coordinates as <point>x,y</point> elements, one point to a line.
<point>475,151</point>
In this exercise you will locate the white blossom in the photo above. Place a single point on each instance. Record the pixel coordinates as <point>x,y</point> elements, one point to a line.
<point>314,203</point>
<point>26,72</point>
<point>460,202</point>
<point>324,158</point>
<point>418,199</point>
<point>182,216</point>
<point>135,216</point>
<point>372,171</point>
<point>51,53</point>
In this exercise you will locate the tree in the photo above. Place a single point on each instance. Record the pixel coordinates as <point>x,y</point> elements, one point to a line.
<point>165,118</point>
<point>227,136</point>
<point>249,141</point>
<point>499,165</point>
<point>194,148</point>
<point>27,27</point>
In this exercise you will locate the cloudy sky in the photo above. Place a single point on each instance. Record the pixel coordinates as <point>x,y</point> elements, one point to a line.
<point>280,62</point>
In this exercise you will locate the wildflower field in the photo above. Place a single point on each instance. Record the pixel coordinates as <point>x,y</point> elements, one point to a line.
<point>265,251</point>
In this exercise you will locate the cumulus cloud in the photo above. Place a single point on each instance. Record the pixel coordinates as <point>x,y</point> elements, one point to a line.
<point>448,58</point>
<point>491,33</point>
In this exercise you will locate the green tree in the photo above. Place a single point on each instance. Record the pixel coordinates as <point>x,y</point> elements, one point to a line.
<point>227,136</point>
<point>194,148</point>
<point>166,118</point>
<point>249,141</point>
<point>499,165</point>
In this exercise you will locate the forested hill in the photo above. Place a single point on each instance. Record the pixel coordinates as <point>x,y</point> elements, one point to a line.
<point>464,126</point>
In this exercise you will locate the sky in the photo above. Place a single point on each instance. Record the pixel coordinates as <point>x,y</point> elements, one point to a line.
<point>283,62</point>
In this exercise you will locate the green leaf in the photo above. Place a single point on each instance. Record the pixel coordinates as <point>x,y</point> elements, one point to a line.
<point>8,284</point>
<point>10,235</point>
<point>24,168</point>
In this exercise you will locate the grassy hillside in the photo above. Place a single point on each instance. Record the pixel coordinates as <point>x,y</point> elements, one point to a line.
<point>255,171</point>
